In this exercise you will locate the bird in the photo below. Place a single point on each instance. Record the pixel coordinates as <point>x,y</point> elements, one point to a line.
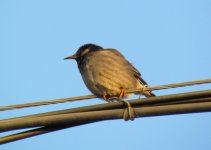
<point>108,74</point>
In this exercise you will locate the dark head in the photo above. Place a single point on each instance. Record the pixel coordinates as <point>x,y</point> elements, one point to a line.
<point>83,51</point>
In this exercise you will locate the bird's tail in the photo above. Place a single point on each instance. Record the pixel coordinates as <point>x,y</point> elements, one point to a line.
<point>145,93</point>
<point>148,94</point>
<point>142,84</point>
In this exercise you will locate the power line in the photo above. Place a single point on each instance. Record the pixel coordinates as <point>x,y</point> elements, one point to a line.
<point>191,102</point>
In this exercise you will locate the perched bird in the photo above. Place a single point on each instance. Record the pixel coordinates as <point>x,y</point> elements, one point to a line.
<point>107,73</point>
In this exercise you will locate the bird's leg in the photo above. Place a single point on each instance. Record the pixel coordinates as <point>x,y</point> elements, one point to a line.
<point>122,93</point>
<point>129,112</point>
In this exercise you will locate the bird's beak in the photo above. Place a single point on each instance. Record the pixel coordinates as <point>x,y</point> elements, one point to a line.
<point>71,57</point>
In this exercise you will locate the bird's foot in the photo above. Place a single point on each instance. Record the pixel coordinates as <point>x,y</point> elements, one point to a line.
<point>129,113</point>
<point>109,99</point>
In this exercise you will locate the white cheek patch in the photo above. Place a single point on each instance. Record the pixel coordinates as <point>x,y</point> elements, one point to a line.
<point>85,52</point>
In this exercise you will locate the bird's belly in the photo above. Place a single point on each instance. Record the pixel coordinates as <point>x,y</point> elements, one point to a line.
<point>99,85</point>
<point>107,81</point>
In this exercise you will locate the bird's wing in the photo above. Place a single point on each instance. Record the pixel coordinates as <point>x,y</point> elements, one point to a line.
<point>137,74</point>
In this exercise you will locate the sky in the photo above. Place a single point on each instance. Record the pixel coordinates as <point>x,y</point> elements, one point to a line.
<point>167,41</point>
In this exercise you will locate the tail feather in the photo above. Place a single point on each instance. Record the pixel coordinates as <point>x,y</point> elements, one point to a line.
<point>149,94</point>
<point>145,93</point>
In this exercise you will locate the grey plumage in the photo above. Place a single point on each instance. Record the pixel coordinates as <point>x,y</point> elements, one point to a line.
<point>106,71</point>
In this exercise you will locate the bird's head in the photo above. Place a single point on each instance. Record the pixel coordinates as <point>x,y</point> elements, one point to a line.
<point>84,51</point>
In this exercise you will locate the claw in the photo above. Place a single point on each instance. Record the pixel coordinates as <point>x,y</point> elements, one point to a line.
<point>105,98</point>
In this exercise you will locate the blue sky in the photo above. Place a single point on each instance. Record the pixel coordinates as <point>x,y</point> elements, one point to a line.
<point>167,41</point>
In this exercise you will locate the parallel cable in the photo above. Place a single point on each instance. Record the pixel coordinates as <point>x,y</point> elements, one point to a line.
<point>200,96</point>
<point>58,122</point>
